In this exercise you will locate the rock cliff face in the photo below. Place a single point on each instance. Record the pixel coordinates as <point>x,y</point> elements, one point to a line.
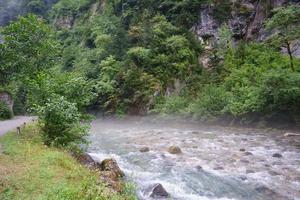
<point>245,18</point>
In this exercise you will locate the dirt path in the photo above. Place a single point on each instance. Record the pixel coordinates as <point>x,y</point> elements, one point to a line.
<point>8,125</point>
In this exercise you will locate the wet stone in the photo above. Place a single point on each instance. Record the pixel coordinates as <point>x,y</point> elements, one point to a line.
<point>247,153</point>
<point>242,149</point>
<point>277,155</point>
<point>199,168</point>
<point>111,165</point>
<point>244,161</point>
<point>174,150</point>
<point>218,168</point>
<point>144,149</point>
<point>158,191</point>
<point>249,171</point>
<point>273,173</point>
<point>243,178</point>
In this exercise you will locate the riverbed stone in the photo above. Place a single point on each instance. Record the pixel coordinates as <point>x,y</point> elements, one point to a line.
<point>199,168</point>
<point>244,161</point>
<point>218,168</point>
<point>249,171</point>
<point>158,191</point>
<point>144,149</point>
<point>247,153</point>
<point>174,150</point>
<point>277,155</point>
<point>242,149</point>
<point>274,173</point>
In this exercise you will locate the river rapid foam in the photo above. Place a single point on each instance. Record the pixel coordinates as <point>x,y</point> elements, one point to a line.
<point>216,163</point>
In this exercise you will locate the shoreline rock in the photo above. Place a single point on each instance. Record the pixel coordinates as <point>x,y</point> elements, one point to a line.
<point>108,169</point>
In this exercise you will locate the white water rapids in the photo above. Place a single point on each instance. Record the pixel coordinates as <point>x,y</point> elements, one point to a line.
<point>216,163</point>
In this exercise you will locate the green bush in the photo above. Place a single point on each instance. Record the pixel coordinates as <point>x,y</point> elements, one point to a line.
<point>61,123</point>
<point>210,103</point>
<point>5,112</point>
<point>171,105</point>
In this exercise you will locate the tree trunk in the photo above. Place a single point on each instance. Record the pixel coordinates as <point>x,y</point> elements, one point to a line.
<point>288,45</point>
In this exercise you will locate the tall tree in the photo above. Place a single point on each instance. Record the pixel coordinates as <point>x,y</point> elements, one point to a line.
<point>28,48</point>
<point>285,22</point>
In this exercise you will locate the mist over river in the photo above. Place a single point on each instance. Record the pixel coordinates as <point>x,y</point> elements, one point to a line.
<point>215,163</point>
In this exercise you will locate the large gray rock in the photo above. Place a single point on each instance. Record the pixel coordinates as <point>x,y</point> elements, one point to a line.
<point>158,191</point>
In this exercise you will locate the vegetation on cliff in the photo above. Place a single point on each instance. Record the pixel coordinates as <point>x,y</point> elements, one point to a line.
<point>135,57</point>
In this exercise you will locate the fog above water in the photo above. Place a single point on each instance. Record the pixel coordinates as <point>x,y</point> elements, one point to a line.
<point>216,162</point>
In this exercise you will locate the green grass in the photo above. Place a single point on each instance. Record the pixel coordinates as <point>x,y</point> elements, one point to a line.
<point>30,170</point>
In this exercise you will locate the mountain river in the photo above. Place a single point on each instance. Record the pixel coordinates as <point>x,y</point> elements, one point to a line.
<point>216,163</point>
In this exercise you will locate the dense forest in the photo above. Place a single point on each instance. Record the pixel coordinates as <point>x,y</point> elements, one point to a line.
<point>186,58</point>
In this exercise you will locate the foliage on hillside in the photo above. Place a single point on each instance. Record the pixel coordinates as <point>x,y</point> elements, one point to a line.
<point>129,56</point>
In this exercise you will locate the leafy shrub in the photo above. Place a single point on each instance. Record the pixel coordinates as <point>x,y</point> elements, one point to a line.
<point>70,7</point>
<point>210,103</point>
<point>5,112</point>
<point>281,91</point>
<point>61,123</point>
<point>171,105</point>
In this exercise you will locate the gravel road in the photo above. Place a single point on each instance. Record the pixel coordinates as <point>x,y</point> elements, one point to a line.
<point>8,125</point>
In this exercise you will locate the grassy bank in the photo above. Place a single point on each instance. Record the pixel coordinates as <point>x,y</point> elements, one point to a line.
<point>31,170</point>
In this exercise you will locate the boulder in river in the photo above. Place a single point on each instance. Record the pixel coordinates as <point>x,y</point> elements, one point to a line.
<point>144,149</point>
<point>174,150</point>
<point>111,174</point>
<point>158,191</point>
<point>277,155</point>
<point>111,165</point>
